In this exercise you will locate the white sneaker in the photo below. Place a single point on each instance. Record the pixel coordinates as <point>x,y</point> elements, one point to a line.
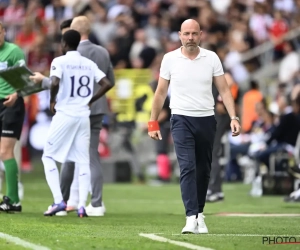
<point>94,211</point>
<point>190,226</point>
<point>202,228</point>
<point>256,190</point>
<point>104,208</point>
<point>62,213</point>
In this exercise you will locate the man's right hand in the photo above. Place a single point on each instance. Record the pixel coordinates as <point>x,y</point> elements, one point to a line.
<point>37,78</point>
<point>155,135</point>
<point>153,130</point>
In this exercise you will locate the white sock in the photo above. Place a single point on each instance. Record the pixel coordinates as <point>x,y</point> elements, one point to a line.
<point>52,177</point>
<point>74,191</point>
<point>90,189</point>
<point>84,180</point>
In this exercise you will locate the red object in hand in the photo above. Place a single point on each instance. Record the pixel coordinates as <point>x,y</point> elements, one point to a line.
<point>153,126</point>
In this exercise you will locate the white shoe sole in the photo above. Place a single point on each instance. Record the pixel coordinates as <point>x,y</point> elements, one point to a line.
<point>95,211</point>
<point>189,231</point>
<point>94,214</point>
<point>61,213</point>
<point>202,231</point>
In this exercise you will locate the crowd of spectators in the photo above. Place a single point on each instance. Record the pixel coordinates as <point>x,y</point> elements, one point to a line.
<point>137,32</point>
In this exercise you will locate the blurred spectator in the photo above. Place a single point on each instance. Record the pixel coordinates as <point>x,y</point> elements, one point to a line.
<point>220,6</point>
<point>123,42</point>
<point>138,45</point>
<point>14,13</point>
<point>26,37</point>
<point>278,29</point>
<point>39,59</point>
<point>260,21</point>
<point>233,63</point>
<point>35,10</point>
<point>250,99</point>
<point>284,5</point>
<point>101,23</point>
<point>121,7</point>
<point>284,136</point>
<point>57,11</point>
<point>141,54</point>
<point>152,28</point>
<point>289,65</point>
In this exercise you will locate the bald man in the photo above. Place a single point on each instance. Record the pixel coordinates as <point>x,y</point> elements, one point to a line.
<point>100,56</point>
<point>190,70</point>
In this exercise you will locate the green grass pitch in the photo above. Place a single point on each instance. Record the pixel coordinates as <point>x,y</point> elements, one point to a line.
<point>133,209</point>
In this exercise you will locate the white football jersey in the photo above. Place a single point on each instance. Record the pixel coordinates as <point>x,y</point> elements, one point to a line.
<point>77,75</point>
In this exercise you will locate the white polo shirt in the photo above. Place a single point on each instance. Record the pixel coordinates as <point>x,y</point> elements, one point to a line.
<point>191,81</point>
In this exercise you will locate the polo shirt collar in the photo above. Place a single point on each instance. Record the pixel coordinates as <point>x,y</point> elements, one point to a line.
<point>74,52</point>
<point>202,53</point>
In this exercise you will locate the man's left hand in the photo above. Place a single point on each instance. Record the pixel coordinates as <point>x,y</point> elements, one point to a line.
<point>10,100</point>
<point>235,127</point>
<point>37,78</point>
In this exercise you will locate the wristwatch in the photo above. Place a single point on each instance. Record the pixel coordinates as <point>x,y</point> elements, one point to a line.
<point>19,94</point>
<point>235,118</point>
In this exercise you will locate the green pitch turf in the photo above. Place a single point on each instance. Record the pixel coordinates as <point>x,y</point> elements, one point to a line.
<point>134,209</point>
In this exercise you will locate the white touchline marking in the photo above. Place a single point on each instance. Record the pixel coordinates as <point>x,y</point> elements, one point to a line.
<point>174,242</point>
<point>243,235</point>
<point>257,215</point>
<point>22,243</point>
<point>142,201</point>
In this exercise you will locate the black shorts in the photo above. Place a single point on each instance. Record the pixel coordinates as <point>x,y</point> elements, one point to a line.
<point>12,118</point>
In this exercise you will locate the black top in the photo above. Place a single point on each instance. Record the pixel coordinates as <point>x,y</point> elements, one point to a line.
<point>287,130</point>
<point>167,108</point>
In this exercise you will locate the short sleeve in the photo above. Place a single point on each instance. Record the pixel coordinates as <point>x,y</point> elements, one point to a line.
<point>165,68</point>
<point>18,57</point>
<point>218,68</point>
<point>56,69</point>
<point>99,74</point>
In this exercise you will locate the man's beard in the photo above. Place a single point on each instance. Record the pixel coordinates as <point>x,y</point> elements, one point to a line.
<point>191,47</point>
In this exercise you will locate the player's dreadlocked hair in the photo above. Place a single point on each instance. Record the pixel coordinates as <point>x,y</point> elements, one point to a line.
<point>72,39</point>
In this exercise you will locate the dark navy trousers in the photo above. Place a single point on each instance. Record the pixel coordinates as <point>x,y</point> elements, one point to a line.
<point>193,140</point>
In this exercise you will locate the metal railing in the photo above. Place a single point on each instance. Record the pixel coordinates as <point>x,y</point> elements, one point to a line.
<point>263,49</point>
